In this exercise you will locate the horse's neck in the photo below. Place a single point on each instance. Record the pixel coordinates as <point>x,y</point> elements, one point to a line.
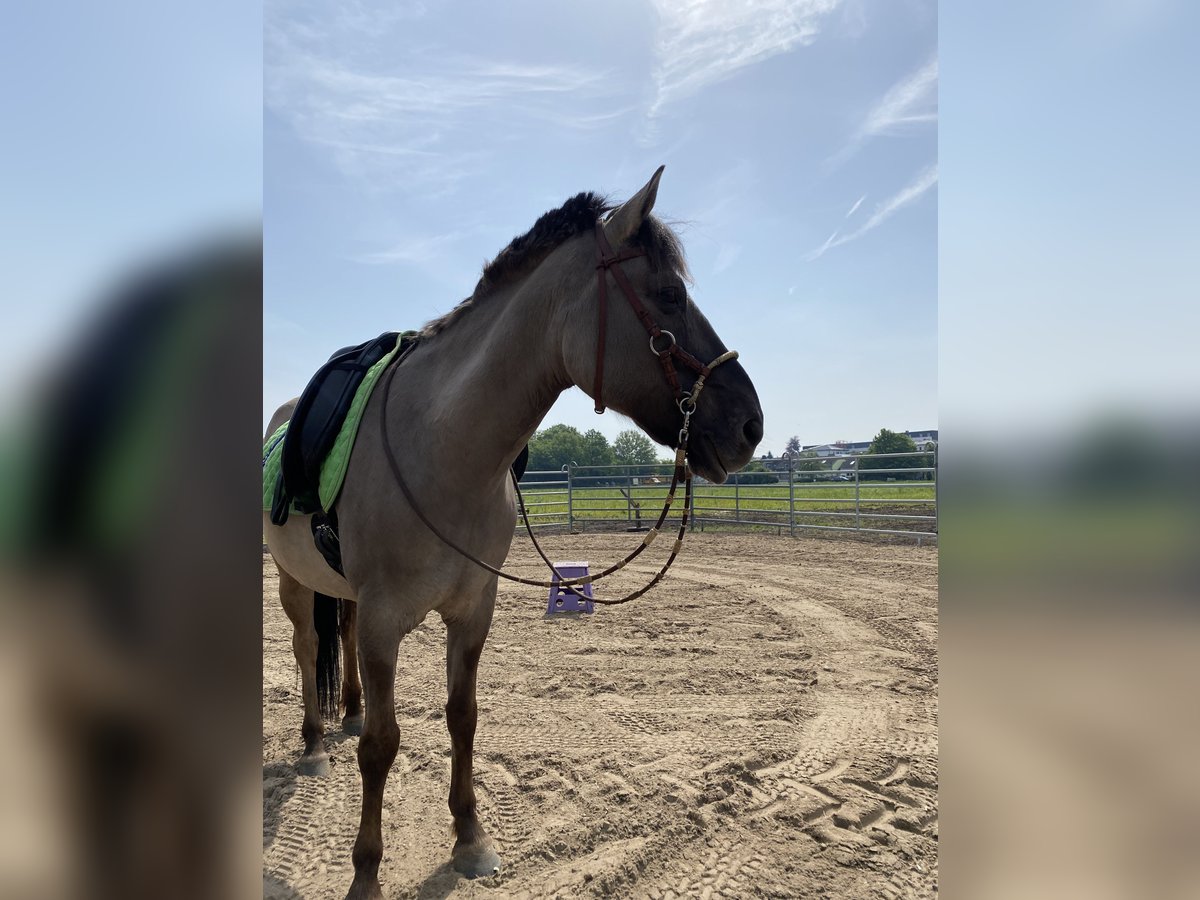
<point>491,377</point>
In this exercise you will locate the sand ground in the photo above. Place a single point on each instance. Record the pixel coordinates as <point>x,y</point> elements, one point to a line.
<point>764,724</point>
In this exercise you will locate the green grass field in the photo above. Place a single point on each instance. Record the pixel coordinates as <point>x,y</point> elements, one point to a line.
<point>764,502</point>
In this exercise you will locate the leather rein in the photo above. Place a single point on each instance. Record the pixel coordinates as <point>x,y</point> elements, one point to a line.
<point>606,261</point>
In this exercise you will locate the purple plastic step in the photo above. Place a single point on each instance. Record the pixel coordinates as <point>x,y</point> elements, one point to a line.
<point>562,600</point>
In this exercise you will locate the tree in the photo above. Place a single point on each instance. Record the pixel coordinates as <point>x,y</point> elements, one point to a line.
<point>595,450</point>
<point>555,447</point>
<point>792,450</point>
<point>892,442</point>
<point>633,448</point>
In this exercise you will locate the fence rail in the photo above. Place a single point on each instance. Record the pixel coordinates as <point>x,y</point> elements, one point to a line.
<point>886,493</point>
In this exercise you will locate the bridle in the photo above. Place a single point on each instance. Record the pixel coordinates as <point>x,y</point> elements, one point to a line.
<point>606,261</point>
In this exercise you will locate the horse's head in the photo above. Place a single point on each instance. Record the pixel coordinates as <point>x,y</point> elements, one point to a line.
<point>728,422</point>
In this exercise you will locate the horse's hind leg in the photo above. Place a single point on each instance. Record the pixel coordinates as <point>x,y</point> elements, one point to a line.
<point>473,854</point>
<point>352,721</point>
<point>297,603</point>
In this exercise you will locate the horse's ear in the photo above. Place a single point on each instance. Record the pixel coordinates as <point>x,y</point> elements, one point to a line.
<point>627,218</point>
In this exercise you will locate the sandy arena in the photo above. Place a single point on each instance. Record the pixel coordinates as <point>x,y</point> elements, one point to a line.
<point>763,724</point>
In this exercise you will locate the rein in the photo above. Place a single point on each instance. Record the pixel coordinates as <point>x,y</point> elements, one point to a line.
<point>685,400</point>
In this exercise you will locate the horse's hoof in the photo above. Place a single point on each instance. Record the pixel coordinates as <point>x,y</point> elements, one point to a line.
<point>353,725</point>
<point>365,890</point>
<point>317,766</point>
<point>476,862</point>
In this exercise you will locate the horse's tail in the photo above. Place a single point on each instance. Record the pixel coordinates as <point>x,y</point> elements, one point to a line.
<point>326,613</point>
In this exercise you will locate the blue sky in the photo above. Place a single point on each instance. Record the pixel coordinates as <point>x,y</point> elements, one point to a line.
<point>404,144</point>
<point>132,129</point>
<point>1070,242</point>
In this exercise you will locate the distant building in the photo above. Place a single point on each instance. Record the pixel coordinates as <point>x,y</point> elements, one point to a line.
<point>837,448</point>
<point>925,440</point>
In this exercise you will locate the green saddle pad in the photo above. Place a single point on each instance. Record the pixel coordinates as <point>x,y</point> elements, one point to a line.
<point>333,467</point>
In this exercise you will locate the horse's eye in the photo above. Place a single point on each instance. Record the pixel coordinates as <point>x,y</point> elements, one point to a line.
<point>671,296</point>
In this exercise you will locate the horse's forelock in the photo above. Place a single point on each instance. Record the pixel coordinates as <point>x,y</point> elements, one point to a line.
<point>663,246</point>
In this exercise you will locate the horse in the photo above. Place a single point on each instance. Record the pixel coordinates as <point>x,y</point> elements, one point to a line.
<point>466,400</point>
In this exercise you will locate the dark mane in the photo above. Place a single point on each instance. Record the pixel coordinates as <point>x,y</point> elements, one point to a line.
<point>525,252</point>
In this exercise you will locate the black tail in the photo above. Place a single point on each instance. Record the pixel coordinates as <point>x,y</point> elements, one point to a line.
<point>326,612</point>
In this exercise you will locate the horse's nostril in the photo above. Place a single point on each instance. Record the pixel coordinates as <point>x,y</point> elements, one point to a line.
<point>753,430</point>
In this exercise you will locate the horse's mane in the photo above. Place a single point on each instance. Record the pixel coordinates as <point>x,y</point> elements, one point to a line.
<point>526,251</point>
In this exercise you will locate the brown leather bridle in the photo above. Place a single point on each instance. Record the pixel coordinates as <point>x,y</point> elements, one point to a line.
<point>607,260</point>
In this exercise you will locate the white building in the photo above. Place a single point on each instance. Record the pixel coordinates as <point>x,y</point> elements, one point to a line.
<point>925,440</point>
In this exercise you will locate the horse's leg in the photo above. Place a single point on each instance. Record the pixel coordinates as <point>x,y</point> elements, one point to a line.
<point>352,721</point>
<point>297,603</point>
<point>473,854</point>
<point>379,633</point>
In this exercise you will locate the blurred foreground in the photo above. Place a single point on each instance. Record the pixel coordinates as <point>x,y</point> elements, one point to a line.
<point>1070,415</point>
<point>129,371</point>
<point>1070,660</point>
<point>129,630</point>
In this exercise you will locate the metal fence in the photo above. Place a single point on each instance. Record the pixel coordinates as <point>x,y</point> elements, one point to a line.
<point>882,493</point>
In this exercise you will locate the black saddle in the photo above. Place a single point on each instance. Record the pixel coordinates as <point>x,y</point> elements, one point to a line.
<point>313,428</point>
<point>317,419</point>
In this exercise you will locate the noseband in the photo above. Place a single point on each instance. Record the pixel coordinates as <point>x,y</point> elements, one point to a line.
<point>606,260</point>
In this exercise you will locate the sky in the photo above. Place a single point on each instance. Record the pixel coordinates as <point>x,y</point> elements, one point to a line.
<point>133,130</point>
<point>406,143</point>
<point>404,147</point>
<point>1069,243</point>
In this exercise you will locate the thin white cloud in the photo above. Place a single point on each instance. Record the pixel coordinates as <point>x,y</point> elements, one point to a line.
<point>825,246</point>
<point>277,325</point>
<point>702,42</point>
<point>393,121</point>
<point>923,182</point>
<point>911,101</point>
<point>413,250</point>
<point>335,93</point>
<point>857,204</point>
<point>854,19</point>
<point>726,189</point>
<point>726,257</point>
<point>372,19</point>
<point>884,211</point>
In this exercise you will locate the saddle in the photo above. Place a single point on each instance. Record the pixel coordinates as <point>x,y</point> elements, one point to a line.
<point>314,428</point>
<point>318,418</point>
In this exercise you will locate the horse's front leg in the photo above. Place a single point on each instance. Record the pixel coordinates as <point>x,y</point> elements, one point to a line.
<point>473,854</point>
<point>381,625</point>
